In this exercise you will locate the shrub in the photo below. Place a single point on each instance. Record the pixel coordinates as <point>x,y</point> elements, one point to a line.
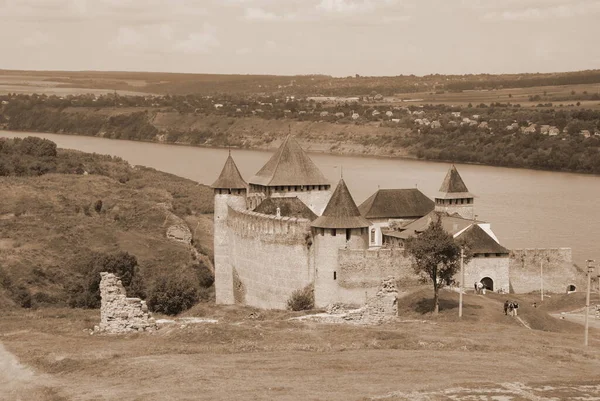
<point>86,292</point>
<point>173,293</point>
<point>98,206</point>
<point>302,299</point>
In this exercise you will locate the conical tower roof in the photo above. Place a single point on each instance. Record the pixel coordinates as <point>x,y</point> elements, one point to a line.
<point>341,211</point>
<point>230,176</point>
<point>290,165</point>
<point>453,186</point>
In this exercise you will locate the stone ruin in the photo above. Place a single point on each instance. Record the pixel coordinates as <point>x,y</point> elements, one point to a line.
<point>378,309</point>
<point>119,314</point>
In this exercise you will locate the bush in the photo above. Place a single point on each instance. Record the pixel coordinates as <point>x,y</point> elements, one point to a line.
<point>173,293</point>
<point>86,292</point>
<point>302,299</point>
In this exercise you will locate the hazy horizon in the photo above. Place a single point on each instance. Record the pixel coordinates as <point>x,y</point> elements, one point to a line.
<point>301,37</point>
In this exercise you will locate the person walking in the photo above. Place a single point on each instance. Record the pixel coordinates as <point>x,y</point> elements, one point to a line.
<point>475,285</point>
<point>515,308</point>
<point>506,307</point>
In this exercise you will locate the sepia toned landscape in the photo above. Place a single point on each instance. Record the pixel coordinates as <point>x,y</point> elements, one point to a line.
<point>299,200</point>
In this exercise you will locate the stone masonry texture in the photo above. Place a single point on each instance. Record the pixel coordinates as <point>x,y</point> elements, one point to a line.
<point>119,314</point>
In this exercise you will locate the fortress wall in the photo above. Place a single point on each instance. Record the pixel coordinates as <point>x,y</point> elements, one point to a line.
<point>496,268</point>
<point>223,270</point>
<point>360,272</point>
<point>558,270</point>
<point>270,257</point>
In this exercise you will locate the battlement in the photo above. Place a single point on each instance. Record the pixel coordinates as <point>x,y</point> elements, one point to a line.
<point>364,268</point>
<point>264,226</point>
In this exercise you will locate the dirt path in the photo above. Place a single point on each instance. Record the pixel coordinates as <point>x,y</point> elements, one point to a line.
<point>13,376</point>
<point>510,391</point>
<point>20,383</point>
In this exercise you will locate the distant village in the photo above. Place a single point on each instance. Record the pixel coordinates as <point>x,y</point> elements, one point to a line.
<point>375,109</point>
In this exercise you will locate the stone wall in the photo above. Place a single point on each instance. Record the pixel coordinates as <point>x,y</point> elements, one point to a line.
<point>119,314</point>
<point>496,268</point>
<point>271,256</point>
<point>358,268</point>
<point>223,270</point>
<point>557,265</point>
<point>361,271</point>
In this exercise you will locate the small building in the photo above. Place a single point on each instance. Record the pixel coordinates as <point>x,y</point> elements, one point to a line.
<point>436,124</point>
<point>390,208</point>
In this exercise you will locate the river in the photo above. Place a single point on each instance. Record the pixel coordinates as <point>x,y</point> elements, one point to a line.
<point>527,208</point>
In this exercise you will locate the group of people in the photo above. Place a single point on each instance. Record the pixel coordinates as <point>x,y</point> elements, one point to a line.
<point>511,308</point>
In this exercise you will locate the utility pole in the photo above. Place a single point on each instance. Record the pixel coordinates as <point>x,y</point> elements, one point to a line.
<point>462,283</point>
<point>590,269</point>
<point>542,279</point>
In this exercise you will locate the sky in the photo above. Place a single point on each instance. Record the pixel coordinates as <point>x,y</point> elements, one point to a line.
<point>288,37</point>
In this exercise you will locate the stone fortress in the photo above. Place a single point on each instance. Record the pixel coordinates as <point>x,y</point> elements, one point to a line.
<point>287,228</point>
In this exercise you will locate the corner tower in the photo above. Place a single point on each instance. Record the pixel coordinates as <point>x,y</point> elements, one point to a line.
<point>291,173</point>
<point>340,226</point>
<point>230,189</point>
<point>454,197</point>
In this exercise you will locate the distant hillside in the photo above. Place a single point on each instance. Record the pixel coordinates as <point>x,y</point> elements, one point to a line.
<point>60,208</point>
<point>209,84</point>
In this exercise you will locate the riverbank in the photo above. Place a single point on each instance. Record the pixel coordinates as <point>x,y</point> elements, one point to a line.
<point>497,147</point>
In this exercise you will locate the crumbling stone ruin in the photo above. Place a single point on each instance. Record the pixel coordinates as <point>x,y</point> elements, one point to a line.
<point>119,314</point>
<point>379,308</point>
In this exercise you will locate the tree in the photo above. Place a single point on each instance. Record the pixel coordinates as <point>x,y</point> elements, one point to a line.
<point>436,257</point>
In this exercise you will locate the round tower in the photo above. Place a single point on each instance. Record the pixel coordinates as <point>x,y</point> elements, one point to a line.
<point>230,190</point>
<point>454,197</point>
<point>340,226</point>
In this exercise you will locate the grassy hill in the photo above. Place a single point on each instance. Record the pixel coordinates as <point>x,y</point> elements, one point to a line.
<point>87,205</point>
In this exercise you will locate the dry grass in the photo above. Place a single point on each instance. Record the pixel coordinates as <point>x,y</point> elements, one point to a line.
<point>49,225</point>
<point>254,354</point>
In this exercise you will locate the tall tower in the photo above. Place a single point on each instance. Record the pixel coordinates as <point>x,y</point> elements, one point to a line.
<point>454,197</point>
<point>340,226</point>
<point>291,173</point>
<point>230,190</point>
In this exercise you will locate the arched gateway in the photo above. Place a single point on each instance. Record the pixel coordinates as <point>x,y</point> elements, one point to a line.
<point>488,283</point>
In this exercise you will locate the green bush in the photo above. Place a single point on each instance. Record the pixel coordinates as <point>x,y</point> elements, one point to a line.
<point>85,292</point>
<point>173,293</point>
<point>302,299</point>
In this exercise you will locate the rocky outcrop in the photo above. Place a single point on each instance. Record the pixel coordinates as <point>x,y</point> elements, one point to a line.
<point>119,314</point>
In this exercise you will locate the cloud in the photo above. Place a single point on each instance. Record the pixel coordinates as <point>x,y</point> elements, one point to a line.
<point>243,51</point>
<point>199,42</point>
<point>130,11</point>
<point>36,39</point>
<point>270,45</point>
<point>534,10</point>
<point>129,37</point>
<point>353,6</point>
<point>258,14</point>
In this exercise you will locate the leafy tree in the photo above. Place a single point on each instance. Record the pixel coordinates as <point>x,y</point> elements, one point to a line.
<point>436,257</point>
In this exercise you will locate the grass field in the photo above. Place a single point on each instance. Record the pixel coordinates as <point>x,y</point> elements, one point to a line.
<point>254,355</point>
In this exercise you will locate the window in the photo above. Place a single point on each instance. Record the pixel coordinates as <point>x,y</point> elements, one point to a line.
<point>348,234</point>
<point>333,232</point>
<point>373,235</point>
<point>335,275</point>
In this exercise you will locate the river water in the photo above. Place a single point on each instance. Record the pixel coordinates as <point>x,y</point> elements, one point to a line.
<point>527,208</point>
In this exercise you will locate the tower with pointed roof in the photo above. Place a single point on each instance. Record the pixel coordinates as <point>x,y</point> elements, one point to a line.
<point>340,226</point>
<point>291,173</point>
<point>454,197</point>
<point>230,189</point>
